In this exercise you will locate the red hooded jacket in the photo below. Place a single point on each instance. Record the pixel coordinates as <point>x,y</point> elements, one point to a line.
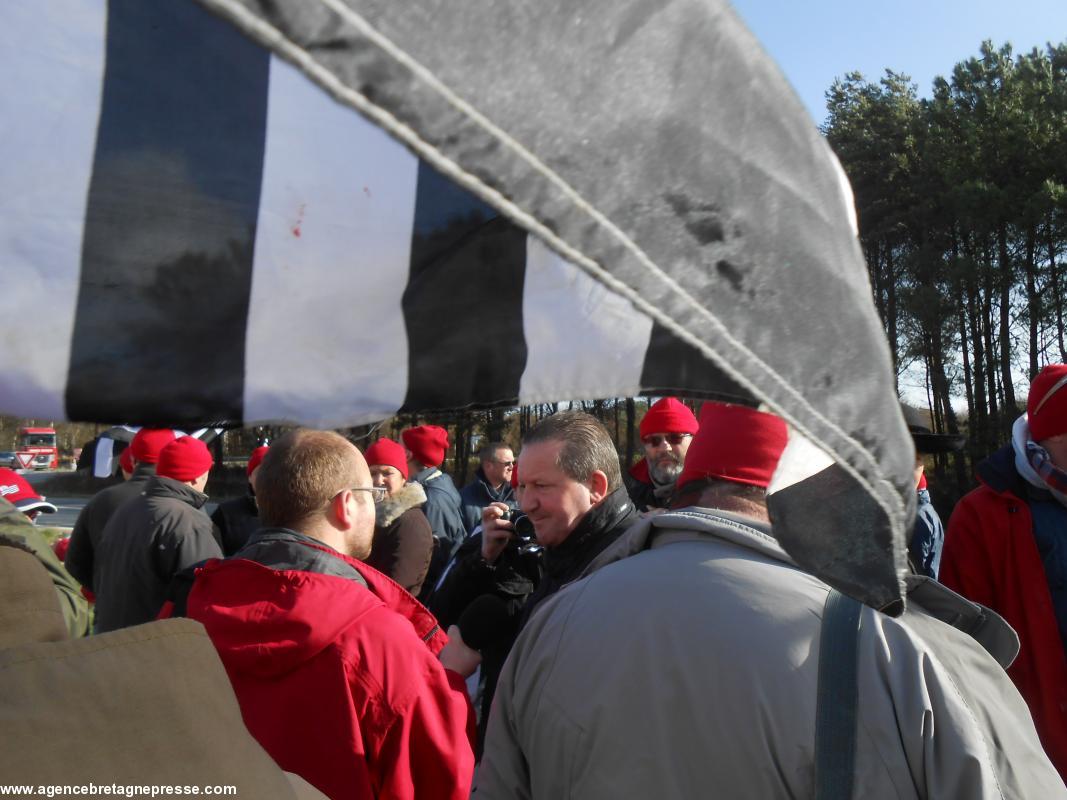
<point>339,682</point>
<point>991,557</point>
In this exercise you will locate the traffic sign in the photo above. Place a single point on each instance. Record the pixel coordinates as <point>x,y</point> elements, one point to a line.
<point>25,459</point>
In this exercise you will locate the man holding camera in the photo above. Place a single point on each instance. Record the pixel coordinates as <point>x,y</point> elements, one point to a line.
<point>570,489</point>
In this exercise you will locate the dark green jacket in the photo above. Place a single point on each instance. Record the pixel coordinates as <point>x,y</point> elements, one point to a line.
<point>17,531</point>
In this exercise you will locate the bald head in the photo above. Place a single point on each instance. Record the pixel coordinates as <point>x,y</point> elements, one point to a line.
<point>302,472</point>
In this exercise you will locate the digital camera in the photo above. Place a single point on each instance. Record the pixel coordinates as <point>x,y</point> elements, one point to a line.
<point>524,530</point>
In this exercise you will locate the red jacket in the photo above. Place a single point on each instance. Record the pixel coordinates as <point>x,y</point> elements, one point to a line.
<point>991,557</point>
<point>340,685</point>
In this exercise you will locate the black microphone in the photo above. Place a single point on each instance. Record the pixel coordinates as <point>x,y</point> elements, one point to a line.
<point>483,621</point>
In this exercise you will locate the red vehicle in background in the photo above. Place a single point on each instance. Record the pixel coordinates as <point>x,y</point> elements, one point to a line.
<point>36,448</point>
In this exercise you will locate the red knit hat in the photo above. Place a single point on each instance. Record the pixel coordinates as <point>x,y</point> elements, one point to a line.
<point>427,443</point>
<point>1046,407</point>
<point>184,459</point>
<point>668,415</point>
<point>736,444</point>
<point>126,460</point>
<point>149,442</point>
<point>17,491</point>
<point>256,459</point>
<point>387,453</point>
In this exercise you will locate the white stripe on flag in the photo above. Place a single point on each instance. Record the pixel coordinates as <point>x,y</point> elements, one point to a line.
<point>582,339</point>
<point>52,60</point>
<point>326,331</point>
<point>800,460</point>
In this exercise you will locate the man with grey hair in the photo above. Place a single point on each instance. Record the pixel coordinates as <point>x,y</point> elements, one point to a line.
<point>491,484</point>
<point>571,492</point>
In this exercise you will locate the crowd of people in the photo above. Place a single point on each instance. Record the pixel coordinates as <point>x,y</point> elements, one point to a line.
<point>564,626</point>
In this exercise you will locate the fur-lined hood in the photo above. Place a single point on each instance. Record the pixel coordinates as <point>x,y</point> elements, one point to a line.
<point>411,495</point>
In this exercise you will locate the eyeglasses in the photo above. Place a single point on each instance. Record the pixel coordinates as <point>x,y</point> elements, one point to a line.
<point>378,493</point>
<point>505,464</point>
<point>674,438</point>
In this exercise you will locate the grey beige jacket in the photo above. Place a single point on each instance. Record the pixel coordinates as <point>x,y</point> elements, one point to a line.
<point>685,665</point>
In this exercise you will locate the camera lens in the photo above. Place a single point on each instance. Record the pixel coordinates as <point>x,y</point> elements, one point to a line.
<point>524,528</point>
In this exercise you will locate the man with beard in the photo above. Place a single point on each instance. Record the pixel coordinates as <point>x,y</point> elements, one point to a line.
<point>666,431</point>
<point>334,665</point>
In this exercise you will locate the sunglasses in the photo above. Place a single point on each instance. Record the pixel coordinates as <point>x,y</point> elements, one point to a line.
<point>506,464</point>
<point>674,438</point>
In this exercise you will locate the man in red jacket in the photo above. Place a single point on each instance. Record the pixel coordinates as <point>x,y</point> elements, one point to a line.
<point>1006,548</point>
<point>334,665</point>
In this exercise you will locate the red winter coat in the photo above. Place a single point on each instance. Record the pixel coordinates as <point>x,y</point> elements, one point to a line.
<point>991,557</point>
<point>340,684</point>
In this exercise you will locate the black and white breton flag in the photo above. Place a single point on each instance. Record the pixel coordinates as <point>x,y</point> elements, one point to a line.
<point>329,211</point>
<point>225,242</point>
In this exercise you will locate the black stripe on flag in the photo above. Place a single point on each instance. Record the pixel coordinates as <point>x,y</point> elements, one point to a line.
<point>170,225</point>
<point>829,525</point>
<point>463,302</point>
<point>676,367</point>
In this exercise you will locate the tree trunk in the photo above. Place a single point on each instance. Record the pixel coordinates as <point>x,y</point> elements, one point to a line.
<point>991,357</point>
<point>495,424</point>
<point>1006,281</point>
<point>631,414</point>
<point>1033,299</point>
<point>891,310</point>
<point>962,326</point>
<point>980,412</point>
<point>1057,298</point>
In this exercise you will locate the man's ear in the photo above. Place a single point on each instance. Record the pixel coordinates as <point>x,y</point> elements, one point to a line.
<point>598,486</point>
<point>341,510</point>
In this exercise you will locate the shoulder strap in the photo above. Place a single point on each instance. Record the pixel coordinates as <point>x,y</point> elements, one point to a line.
<point>835,715</point>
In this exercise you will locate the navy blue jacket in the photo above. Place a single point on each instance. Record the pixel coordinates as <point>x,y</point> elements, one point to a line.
<point>477,494</point>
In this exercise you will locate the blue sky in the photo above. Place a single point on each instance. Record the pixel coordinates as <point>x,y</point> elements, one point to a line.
<point>819,40</point>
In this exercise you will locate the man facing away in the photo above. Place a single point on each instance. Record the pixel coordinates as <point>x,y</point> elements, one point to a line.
<point>238,518</point>
<point>666,430</point>
<point>144,450</point>
<point>154,536</point>
<point>491,484</point>
<point>334,665</point>
<point>426,446</point>
<point>1006,548</point>
<point>686,664</point>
